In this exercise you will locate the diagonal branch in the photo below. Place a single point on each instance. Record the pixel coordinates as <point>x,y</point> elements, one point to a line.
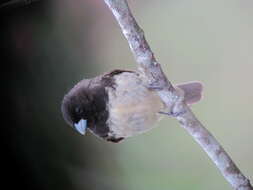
<point>156,79</point>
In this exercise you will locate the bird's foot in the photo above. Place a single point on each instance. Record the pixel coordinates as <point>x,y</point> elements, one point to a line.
<point>173,114</point>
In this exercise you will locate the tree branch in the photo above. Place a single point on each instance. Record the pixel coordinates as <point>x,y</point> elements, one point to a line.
<point>171,97</point>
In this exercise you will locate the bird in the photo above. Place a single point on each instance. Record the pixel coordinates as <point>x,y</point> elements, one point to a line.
<point>118,104</point>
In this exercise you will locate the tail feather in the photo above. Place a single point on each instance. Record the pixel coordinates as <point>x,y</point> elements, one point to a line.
<point>192,91</point>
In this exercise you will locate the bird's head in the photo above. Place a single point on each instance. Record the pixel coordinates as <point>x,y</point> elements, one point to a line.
<point>76,107</point>
<point>84,106</point>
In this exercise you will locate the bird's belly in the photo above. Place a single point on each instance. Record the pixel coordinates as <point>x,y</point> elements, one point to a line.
<point>133,114</point>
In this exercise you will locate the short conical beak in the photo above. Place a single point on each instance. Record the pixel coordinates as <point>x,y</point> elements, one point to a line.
<point>81,126</point>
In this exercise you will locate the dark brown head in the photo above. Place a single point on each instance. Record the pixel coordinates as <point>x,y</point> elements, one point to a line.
<point>84,106</point>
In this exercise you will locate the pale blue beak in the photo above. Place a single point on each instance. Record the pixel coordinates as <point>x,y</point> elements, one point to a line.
<point>81,126</point>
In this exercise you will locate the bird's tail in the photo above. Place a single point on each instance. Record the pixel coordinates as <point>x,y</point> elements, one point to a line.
<point>192,91</point>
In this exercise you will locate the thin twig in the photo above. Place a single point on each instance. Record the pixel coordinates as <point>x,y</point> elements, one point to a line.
<point>15,3</point>
<point>157,80</point>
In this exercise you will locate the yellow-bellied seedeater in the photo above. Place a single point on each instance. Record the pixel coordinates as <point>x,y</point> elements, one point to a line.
<point>118,105</point>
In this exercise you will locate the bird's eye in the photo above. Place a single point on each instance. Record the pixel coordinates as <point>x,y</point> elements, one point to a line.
<point>78,110</point>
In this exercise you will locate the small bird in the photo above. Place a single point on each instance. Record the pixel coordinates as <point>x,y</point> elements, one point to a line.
<point>118,104</point>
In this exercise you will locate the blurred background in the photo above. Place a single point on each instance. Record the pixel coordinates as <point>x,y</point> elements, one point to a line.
<point>48,46</point>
